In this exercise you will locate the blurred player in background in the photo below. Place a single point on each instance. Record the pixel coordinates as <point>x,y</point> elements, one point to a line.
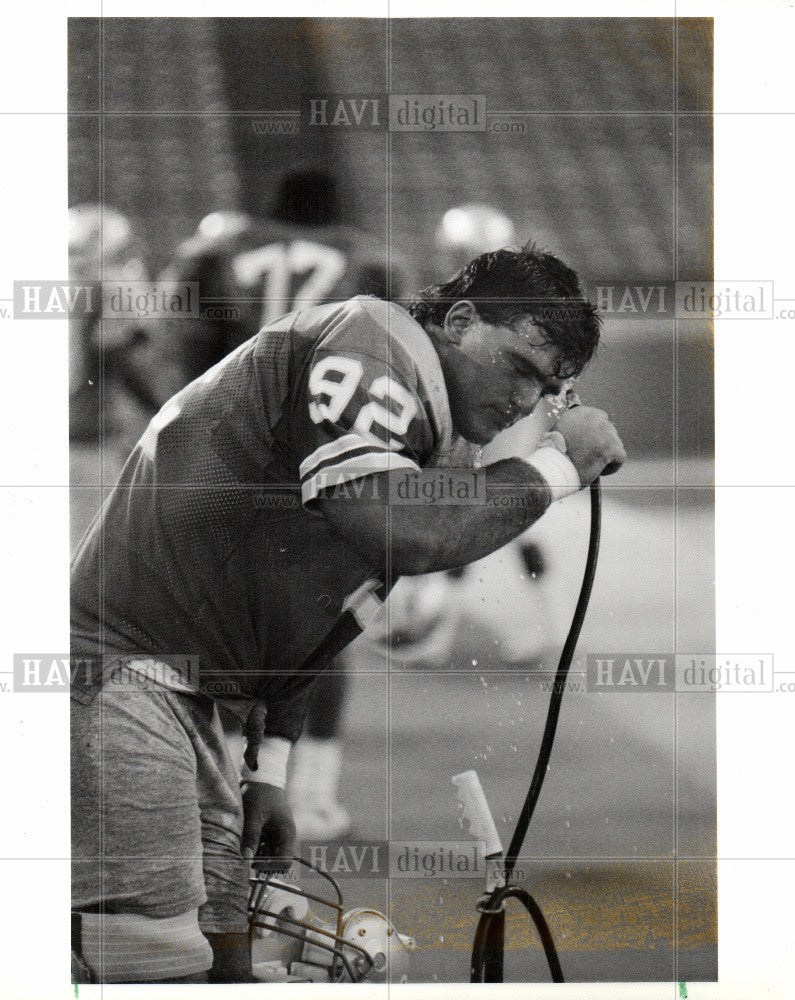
<point>111,398</point>
<point>466,231</point>
<point>251,272</point>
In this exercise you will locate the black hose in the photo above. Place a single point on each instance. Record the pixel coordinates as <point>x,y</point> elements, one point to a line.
<point>489,944</point>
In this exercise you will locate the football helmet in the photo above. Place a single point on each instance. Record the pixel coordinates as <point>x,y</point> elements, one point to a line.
<point>475,228</point>
<point>103,245</point>
<point>98,228</point>
<point>223,226</point>
<point>291,942</point>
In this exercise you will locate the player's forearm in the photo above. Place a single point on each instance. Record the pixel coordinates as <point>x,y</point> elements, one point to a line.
<point>428,538</point>
<point>412,538</point>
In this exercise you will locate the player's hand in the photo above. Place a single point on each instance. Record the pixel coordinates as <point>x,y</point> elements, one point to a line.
<point>268,827</point>
<point>592,442</point>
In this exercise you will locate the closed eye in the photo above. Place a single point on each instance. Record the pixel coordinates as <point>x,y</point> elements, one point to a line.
<point>526,369</point>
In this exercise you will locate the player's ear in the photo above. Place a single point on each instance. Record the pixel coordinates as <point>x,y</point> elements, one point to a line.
<point>460,316</point>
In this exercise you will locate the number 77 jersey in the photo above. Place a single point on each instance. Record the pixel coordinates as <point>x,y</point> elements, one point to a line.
<point>250,274</point>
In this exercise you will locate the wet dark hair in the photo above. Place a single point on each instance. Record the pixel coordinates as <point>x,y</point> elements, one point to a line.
<point>508,285</point>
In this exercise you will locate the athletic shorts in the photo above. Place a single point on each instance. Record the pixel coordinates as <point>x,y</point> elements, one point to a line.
<point>157,814</point>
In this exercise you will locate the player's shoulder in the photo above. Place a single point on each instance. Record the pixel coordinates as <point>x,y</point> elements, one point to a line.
<point>384,330</point>
<point>380,311</point>
<point>265,231</point>
<point>388,339</point>
<point>339,234</point>
<point>229,240</point>
<point>358,244</point>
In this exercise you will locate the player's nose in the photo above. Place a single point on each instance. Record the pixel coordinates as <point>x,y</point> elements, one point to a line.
<point>524,398</point>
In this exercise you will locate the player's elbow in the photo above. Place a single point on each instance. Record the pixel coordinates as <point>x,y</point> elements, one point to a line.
<point>397,553</point>
<point>398,540</point>
<point>412,561</point>
<point>418,545</point>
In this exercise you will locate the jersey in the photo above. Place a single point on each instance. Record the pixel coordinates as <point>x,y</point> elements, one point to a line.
<point>255,272</point>
<point>211,544</point>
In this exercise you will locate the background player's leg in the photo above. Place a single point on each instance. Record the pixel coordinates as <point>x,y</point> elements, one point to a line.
<point>317,760</point>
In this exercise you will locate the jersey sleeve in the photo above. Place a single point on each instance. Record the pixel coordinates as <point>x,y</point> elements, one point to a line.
<point>361,410</point>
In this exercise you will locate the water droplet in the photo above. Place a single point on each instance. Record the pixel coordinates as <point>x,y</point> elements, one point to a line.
<point>441,939</point>
<point>474,664</point>
<point>568,874</point>
<point>568,824</point>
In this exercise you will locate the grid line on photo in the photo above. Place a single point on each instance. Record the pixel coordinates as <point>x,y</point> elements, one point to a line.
<point>607,212</point>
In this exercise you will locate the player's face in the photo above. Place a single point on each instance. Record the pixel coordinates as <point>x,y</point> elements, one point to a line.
<point>496,374</point>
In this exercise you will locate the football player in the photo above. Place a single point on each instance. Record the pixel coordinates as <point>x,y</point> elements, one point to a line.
<point>249,538</point>
<point>103,250</point>
<point>250,273</point>
<point>110,386</point>
<point>431,619</point>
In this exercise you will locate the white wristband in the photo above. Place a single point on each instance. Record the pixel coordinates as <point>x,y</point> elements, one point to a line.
<point>558,470</point>
<point>272,757</point>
